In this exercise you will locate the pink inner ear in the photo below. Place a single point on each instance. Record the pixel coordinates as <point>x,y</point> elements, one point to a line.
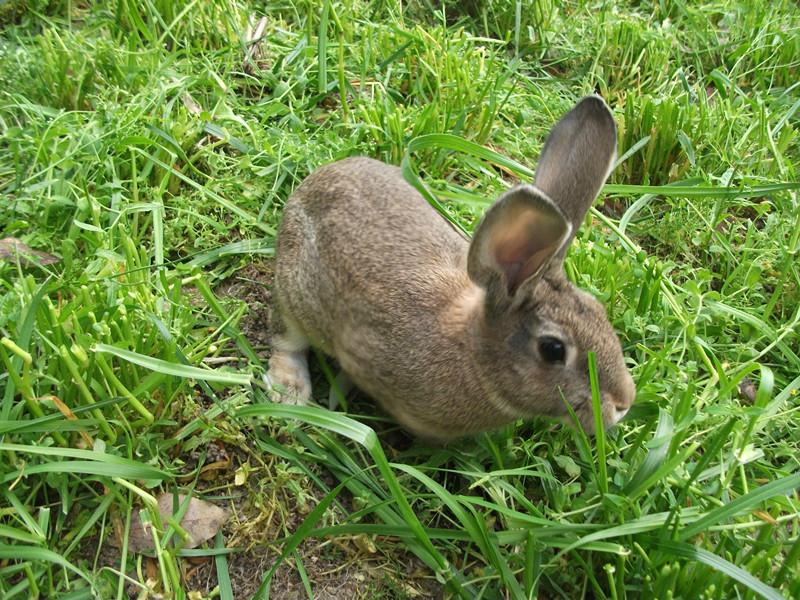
<point>522,247</point>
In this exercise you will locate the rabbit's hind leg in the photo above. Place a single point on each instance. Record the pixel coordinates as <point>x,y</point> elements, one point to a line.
<point>288,367</point>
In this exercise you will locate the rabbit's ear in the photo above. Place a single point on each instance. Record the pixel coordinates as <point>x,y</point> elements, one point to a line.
<point>577,159</point>
<point>514,242</point>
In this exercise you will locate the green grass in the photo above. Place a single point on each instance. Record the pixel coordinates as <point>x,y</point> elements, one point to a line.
<point>150,146</point>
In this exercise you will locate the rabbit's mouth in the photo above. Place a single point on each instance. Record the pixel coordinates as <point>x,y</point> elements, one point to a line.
<point>610,408</point>
<point>620,414</point>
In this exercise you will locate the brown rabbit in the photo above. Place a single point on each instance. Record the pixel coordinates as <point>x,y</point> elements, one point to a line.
<point>450,337</point>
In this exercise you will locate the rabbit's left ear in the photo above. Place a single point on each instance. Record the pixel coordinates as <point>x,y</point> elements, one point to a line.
<point>577,159</point>
<point>513,245</point>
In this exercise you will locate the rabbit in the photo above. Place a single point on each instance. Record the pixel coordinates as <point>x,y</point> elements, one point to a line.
<point>451,337</point>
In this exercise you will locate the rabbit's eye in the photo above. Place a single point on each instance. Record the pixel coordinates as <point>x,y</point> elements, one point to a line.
<point>552,349</point>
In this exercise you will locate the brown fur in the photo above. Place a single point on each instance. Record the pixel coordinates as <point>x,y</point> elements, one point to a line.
<point>445,338</point>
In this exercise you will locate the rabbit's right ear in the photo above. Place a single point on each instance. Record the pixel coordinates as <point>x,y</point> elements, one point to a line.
<point>577,159</point>
<point>514,243</point>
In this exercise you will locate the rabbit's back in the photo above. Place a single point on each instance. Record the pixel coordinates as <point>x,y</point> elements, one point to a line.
<point>365,268</point>
<point>359,207</point>
<point>357,232</point>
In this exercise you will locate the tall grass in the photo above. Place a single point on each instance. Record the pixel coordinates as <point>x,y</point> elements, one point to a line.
<point>150,147</point>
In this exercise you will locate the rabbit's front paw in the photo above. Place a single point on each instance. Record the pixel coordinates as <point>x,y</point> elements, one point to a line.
<point>288,377</point>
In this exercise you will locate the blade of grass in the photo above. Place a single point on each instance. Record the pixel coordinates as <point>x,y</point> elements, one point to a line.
<point>167,368</point>
<point>28,321</point>
<point>741,504</point>
<point>322,50</point>
<point>687,552</point>
<point>475,526</point>
<point>221,565</point>
<point>599,427</point>
<point>33,553</point>
<point>455,143</point>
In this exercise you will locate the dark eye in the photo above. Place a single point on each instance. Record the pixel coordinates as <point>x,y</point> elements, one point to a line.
<point>552,349</point>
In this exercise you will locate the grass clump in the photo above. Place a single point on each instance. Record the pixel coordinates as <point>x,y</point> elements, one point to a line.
<point>147,150</point>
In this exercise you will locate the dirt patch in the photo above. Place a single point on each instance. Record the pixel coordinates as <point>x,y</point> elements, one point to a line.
<point>332,570</point>
<point>265,509</point>
<point>268,508</point>
<point>253,286</point>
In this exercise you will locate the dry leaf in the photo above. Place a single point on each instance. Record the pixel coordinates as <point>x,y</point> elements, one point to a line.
<point>151,568</point>
<point>201,521</point>
<point>12,248</point>
<point>765,516</point>
<point>207,473</point>
<point>410,590</point>
<point>241,475</point>
<point>67,412</point>
<point>191,104</point>
<point>365,544</point>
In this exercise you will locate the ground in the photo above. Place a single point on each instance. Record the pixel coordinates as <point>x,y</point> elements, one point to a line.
<point>146,153</point>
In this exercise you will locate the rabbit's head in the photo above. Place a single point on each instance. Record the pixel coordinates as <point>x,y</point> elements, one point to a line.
<point>536,329</point>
